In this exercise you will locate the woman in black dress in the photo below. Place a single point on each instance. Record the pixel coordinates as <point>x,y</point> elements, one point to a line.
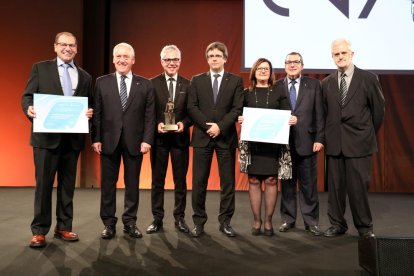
<point>264,157</point>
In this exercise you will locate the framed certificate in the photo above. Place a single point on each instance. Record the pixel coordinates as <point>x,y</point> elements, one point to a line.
<point>60,114</point>
<point>265,125</point>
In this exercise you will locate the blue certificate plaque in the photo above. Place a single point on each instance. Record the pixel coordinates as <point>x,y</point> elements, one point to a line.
<point>60,114</point>
<point>265,125</point>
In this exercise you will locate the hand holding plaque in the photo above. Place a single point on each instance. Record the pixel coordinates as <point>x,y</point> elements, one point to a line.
<point>169,123</point>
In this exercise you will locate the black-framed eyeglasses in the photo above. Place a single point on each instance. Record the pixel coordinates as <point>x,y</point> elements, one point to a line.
<point>293,62</point>
<point>169,60</point>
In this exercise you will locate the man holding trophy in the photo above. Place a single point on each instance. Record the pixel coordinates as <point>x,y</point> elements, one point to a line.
<point>172,138</point>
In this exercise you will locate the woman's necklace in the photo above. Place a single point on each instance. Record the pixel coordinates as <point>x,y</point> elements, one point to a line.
<point>267,96</point>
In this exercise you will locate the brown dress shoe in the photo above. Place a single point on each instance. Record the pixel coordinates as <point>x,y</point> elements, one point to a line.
<point>66,235</point>
<point>38,241</point>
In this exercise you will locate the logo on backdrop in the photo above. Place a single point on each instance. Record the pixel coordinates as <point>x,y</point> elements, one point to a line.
<point>341,5</point>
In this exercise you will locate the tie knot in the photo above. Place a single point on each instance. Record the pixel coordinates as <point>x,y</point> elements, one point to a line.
<point>293,82</point>
<point>216,75</point>
<point>66,65</point>
<point>171,79</point>
<point>123,77</point>
<point>343,75</point>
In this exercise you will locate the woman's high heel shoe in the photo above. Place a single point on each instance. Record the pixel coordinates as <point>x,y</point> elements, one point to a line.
<point>268,232</point>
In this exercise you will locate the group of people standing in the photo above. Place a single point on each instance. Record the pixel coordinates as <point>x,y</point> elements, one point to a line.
<point>341,115</point>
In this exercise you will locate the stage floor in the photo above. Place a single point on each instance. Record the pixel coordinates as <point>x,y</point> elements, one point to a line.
<point>174,253</point>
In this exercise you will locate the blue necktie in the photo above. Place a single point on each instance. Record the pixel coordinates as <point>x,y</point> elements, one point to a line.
<point>215,86</point>
<point>67,83</point>
<point>123,93</point>
<point>292,94</point>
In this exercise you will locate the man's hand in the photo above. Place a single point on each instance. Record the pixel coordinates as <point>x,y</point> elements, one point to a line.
<point>97,147</point>
<point>145,148</point>
<point>160,128</point>
<point>180,127</point>
<point>214,130</point>
<point>317,147</point>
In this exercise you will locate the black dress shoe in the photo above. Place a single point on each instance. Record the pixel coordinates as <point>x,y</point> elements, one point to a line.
<point>154,227</point>
<point>314,230</point>
<point>182,226</point>
<point>227,230</point>
<point>108,232</point>
<point>197,231</point>
<point>368,234</point>
<point>132,231</point>
<point>333,232</point>
<point>286,227</point>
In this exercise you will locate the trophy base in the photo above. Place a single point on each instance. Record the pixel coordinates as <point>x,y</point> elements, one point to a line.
<point>170,128</point>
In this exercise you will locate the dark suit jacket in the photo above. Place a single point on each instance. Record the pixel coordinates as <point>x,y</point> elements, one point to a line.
<point>224,112</point>
<point>136,123</point>
<point>351,129</point>
<point>44,79</point>
<point>180,110</point>
<point>309,111</point>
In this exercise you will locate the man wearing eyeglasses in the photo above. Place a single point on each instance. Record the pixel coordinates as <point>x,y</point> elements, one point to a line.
<point>306,139</point>
<point>215,101</point>
<point>170,97</point>
<point>56,153</point>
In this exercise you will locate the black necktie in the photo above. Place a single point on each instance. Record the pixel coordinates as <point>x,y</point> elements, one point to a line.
<point>343,89</point>
<point>215,86</point>
<point>292,94</point>
<point>123,92</point>
<point>171,88</point>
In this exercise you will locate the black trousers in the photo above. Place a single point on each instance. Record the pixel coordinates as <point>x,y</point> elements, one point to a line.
<point>110,165</point>
<point>349,176</point>
<point>202,158</point>
<point>49,162</point>
<point>304,179</point>
<point>159,165</point>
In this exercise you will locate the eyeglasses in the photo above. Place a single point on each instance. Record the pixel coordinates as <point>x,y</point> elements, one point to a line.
<point>169,60</point>
<point>265,69</point>
<point>64,45</point>
<point>288,62</point>
<point>214,56</point>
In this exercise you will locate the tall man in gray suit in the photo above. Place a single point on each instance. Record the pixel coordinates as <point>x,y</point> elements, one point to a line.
<point>306,140</point>
<point>354,107</point>
<point>170,87</point>
<point>56,153</point>
<point>215,101</point>
<point>123,126</point>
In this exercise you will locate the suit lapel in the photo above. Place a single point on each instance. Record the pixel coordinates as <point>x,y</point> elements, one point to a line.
<point>164,87</point>
<point>302,88</point>
<point>209,87</point>
<point>178,89</point>
<point>55,76</point>
<point>353,86</point>
<point>135,84</point>
<point>224,81</point>
<point>333,82</point>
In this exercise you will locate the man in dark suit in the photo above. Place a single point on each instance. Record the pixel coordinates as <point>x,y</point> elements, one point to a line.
<point>305,141</point>
<point>354,107</point>
<point>170,87</point>
<point>214,103</point>
<point>56,152</point>
<point>123,126</point>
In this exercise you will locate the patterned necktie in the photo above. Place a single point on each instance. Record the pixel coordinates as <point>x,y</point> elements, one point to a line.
<point>67,83</point>
<point>292,94</point>
<point>123,93</point>
<point>343,89</point>
<point>215,86</point>
<point>171,88</point>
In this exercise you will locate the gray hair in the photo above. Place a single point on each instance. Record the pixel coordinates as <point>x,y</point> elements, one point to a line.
<point>170,48</point>
<point>342,41</point>
<point>125,45</point>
